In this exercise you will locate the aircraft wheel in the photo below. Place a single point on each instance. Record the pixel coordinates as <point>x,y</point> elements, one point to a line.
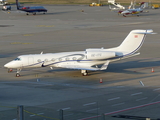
<point>17,75</point>
<point>27,14</point>
<point>84,74</point>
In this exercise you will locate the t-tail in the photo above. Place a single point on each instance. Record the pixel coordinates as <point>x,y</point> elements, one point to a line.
<point>133,42</point>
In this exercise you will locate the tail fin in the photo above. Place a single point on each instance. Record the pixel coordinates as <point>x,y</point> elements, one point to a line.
<point>134,41</point>
<point>18,5</point>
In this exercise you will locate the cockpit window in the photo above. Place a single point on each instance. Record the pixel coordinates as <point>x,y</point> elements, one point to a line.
<point>17,59</point>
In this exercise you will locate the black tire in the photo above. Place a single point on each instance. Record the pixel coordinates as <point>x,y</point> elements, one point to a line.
<point>18,75</point>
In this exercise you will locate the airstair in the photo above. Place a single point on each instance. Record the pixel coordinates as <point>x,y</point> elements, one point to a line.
<point>117,5</point>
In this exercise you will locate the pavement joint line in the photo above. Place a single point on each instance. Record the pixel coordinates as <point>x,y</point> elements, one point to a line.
<point>69,114</point>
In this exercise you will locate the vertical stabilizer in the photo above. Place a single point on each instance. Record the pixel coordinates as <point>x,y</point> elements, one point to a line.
<point>134,41</point>
<point>18,5</point>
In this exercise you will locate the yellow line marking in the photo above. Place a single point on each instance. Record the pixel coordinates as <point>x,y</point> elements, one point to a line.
<point>33,113</point>
<point>40,115</point>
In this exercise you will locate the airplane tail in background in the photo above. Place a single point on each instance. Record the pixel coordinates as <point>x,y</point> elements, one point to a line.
<point>18,5</point>
<point>134,41</point>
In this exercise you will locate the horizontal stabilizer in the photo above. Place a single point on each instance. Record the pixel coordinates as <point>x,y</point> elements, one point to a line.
<point>128,56</point>
<point>144,32</point>
<point>104,66</point>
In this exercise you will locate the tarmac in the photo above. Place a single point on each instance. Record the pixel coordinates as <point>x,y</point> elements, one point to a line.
<point>129,88</point>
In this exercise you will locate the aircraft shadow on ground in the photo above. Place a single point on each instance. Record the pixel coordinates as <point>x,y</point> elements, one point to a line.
<point>138,65</point>
<point>56,13</point>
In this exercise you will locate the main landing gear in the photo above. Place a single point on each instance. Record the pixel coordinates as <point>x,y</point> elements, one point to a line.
<point>84,72</point>
<point>34,13</point>
<point>28,13</point>
<point>18,71</point>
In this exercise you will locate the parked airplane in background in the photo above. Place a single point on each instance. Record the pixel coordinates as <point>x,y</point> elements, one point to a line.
<point>32,9</point>
<point>133,11</point>
<point>89,59</point>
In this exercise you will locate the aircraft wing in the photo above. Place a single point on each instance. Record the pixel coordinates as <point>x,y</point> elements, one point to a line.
<point>80,67</point>
<point>86,67</point>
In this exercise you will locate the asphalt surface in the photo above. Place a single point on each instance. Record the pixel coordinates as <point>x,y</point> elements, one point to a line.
<point>129,87</point>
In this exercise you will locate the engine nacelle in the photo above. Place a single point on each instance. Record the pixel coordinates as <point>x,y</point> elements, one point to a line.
<point>99,54</point>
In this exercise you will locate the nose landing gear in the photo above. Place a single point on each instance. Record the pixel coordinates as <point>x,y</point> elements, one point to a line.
<point>10,70</point>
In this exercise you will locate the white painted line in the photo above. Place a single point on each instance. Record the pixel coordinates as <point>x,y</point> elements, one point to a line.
<point>36,114</point>
<point>118,104</point>
<point>32,115</point>
<point>89,104</point>
<point>141,83</point>
<point>141,99</point>
<point>66,108</point>
<point>92,110</point>
<point>136,94</point>
<point>156,89</point>
<point>113,98</point>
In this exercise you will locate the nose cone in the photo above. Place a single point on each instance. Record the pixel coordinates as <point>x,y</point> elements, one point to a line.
<point>13,64</point>
<point>8,65</point>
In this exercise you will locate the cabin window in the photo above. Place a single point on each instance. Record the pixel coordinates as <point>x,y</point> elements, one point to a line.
<point>46,60</point>
<point>74,58</point>
<point>67,59</point>
<point>53,59</point>
<point>39,60</point>
<point>60,59</point>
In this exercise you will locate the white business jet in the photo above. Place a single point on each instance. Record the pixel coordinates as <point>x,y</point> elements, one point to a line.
<point>90,59</point>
